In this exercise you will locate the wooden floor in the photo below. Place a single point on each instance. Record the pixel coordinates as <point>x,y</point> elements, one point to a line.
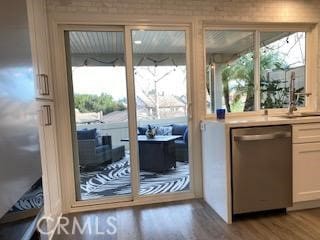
<point>14,230</point>
<point>194,220</point>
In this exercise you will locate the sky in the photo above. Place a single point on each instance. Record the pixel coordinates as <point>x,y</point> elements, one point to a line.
<point>112,80</point>
<point>292,49</point>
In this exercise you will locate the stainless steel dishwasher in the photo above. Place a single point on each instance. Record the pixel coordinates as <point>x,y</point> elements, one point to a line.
<point>261,168</point>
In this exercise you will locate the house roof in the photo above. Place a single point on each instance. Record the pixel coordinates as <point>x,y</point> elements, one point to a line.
<point>164,101</point>
<point>116,116</point>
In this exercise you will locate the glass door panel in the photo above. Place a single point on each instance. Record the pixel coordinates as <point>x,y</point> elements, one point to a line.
<point>98,103</point>
<point>160,78</point>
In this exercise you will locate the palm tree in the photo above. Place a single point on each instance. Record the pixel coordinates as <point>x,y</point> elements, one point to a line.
<point>242,72</point>
<point>226,78</point>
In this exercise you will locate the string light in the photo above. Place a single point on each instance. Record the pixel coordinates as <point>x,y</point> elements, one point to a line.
<point>112,62</point>
<point>278,47</point>
<point>156,62</point>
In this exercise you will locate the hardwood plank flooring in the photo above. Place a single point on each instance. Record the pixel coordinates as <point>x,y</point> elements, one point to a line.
<point>14,230</point>
<point>192,220</point>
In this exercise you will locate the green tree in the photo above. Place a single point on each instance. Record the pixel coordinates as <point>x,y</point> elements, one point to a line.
<point>226,78</point>
<point>95,103</point>
<point>242,72</point>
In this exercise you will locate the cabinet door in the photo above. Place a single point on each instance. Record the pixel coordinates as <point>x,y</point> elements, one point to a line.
<point>306,172</point>
<point>49,159</point>
<point>39,38</point>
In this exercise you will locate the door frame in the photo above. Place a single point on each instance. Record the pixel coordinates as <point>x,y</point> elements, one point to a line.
<point>65,30</point>
<point>130,77</point>
<point>70,204</point>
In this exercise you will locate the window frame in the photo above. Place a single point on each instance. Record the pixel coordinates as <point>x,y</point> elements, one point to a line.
<point>310,63</point>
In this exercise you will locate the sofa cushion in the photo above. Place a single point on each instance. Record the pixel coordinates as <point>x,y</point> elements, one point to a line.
<point>178,129</point>
<point>99,141</point>
<point>185,136</point>
<point>103,148</point>
<point>165,131</point>
<point>179,143</point>
<point>87,134</point>
<point>142,130</point>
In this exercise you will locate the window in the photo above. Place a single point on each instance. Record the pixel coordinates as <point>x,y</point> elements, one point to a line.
<point>234,63</point>
<point>281,55</point>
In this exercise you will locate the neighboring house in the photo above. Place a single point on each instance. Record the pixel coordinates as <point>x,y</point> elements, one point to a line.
<point>88,117</point>
<point>168,106</point>
<point>115,117</point>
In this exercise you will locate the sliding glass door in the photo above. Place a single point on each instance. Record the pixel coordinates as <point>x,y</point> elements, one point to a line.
<point>128,94</point>
<point>160,78</point>
<point>98,97</point>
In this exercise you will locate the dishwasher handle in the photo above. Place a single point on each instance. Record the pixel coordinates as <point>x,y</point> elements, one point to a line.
<point>268,136</point>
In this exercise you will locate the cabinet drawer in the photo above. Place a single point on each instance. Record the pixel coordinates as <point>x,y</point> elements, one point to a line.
<point>306,133</point>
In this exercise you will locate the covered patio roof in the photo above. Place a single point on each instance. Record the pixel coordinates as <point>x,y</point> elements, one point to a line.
<point>157,47</point>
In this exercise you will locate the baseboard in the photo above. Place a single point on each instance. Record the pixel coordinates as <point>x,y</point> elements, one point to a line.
<point>304,205</point>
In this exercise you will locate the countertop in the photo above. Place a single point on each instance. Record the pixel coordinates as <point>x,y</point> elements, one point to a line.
<point>249,121</point>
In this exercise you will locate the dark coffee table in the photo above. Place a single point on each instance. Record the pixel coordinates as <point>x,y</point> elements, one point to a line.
<point>156,154</point>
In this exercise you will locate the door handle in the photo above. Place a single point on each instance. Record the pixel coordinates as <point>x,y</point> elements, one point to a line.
<point>258,137</point>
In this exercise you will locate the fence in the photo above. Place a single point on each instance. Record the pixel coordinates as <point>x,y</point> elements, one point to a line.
<point>120,130</point>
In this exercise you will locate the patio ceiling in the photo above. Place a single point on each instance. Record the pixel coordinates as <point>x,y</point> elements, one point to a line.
<point>108,46</point>
<point>96,42</point>
<point>232,42</point>
<point>151,42</point>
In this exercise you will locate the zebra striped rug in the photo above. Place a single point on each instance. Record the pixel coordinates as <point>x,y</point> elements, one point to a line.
<point>114,179</point>
<point>33,198</point>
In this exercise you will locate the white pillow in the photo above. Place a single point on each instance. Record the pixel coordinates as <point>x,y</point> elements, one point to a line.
<point>165,131</point>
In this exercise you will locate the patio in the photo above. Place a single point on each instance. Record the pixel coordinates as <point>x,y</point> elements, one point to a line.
<point>110,174</point>
<point>114,179</point>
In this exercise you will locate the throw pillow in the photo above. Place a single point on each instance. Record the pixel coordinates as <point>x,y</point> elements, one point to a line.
<point>178,129</point>
<point>86,134</point>
<point>99,138</point>
<point>142,130</point>
<point>164,131</point>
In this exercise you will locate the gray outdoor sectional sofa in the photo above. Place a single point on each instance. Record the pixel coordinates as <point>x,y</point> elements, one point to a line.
<point>95,150</point>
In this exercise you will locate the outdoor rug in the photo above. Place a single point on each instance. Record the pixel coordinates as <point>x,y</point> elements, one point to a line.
<point>114,179</point>
<point>33,198</point>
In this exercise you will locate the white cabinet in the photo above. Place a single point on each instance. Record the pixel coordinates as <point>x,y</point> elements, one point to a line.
<point>306,162</point>
<point>49,156</point>
<point>216,168</point>
<point>306,133</point>
<point>39,39</point>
